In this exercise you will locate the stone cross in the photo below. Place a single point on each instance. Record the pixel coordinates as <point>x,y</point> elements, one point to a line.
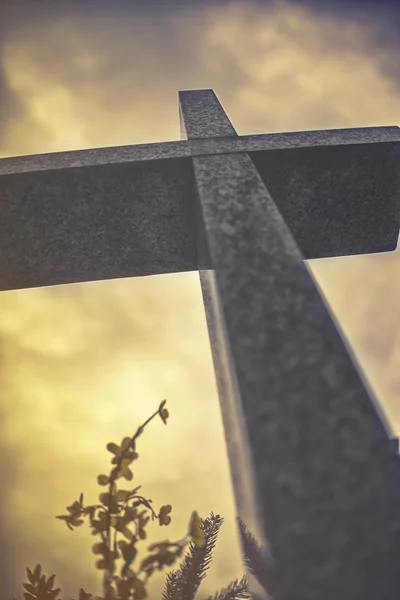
<point>312,463</point>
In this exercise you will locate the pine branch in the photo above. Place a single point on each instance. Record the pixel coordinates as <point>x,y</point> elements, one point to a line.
<point>256,559</point>
<point>183,583</point>
<point>171,590</point>
<point>237,590</point>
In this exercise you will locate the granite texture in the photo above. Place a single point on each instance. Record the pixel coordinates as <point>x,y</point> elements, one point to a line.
<point>337,200</point>
<point>327,476</point>
<point>202,112</point>
<point>197,147</point>
<point>99,222</point>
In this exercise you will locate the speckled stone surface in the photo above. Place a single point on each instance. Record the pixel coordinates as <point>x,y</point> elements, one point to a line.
<point>298,169</point>
<point>328,476</point>
<point>99,222</point>
<point>336,200</point>
<point>200,108</point>
<point>197,147</point>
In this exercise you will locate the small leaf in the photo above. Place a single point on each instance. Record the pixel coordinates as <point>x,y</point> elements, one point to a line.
<point>102,479</point>
<point>104,498</point>
<point>112,447</point>
<point>164,517</point>
<point>195,530</point>
<point>127,473</point>
<point>37,571</point>
<point>164,414</point>
<point>127,533</point>
<point>122,495</point>
<point>99,548</point>
<point>100,564</point>
<point>126,442</point>
<point>75,507</point>
<point>129,553</point>
<point>31,576</point>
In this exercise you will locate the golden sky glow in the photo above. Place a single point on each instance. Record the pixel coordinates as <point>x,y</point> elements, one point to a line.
<point>85,364</point>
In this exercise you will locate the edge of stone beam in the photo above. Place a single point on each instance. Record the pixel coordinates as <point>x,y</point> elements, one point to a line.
<point>197,147</point>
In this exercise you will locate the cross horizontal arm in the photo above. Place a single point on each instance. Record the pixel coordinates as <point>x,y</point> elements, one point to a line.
<point>197,147</point>
<point>126,212</point>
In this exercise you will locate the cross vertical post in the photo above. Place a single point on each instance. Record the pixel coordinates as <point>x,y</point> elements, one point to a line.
<point>296,413</point>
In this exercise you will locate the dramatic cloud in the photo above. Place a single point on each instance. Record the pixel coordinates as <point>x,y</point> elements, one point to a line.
<point>78,74</point>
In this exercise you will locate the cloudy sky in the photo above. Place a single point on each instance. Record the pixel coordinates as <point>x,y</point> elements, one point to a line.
<point>84,364</point>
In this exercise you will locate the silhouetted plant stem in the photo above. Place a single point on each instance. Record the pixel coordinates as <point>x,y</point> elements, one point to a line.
<point>109,572</point>
<point>119,509</point>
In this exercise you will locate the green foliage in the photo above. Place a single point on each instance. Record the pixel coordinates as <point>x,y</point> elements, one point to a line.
<point>126,512</point>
